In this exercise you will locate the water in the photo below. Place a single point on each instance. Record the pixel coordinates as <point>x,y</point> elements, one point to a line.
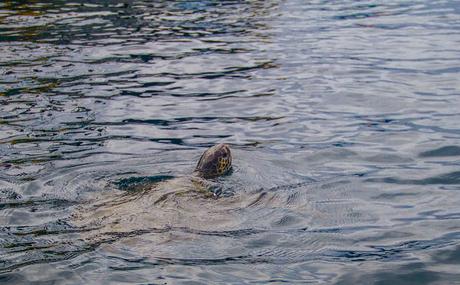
<point>342,117</point>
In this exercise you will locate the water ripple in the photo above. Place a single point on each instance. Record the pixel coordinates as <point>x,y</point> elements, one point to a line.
<point>342,118</point>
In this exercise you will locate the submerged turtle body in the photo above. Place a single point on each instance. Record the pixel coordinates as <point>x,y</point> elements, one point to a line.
<point>157,205</point>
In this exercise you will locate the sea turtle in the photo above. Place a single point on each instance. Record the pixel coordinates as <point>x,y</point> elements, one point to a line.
<point>158,205</point>
<point>215,161</point>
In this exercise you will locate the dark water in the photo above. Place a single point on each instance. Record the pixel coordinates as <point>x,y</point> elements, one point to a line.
<point>343,117</point>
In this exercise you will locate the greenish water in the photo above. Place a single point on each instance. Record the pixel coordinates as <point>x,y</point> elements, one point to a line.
<point>342,117</point>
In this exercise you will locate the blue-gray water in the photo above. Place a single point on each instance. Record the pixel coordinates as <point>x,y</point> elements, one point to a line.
<point>343,118</point>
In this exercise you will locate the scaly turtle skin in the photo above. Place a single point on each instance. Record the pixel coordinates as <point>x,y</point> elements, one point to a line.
<point>214,162</point>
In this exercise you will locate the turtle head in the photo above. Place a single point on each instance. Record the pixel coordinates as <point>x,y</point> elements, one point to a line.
<point>215,161</point>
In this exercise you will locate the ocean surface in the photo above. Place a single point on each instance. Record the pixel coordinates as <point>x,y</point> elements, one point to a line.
<point>343,118</point>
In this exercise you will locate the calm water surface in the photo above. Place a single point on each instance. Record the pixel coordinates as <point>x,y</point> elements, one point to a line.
<point>343,117</point>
